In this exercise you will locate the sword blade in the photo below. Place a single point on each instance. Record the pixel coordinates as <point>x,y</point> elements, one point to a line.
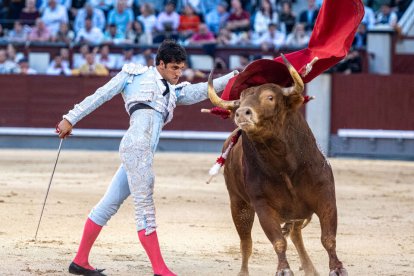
<point>48,188</point>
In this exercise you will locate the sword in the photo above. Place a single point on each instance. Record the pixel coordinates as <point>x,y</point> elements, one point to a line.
<point>48,188</point>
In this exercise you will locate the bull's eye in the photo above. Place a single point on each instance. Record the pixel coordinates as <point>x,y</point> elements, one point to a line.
<point>270,98</point>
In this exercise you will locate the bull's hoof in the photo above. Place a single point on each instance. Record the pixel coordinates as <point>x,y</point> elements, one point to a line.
<point>285,272</point>
<point>338,272</point>
<point>243,273</point>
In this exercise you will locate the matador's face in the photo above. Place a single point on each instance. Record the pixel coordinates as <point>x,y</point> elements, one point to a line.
<point>171,71</point>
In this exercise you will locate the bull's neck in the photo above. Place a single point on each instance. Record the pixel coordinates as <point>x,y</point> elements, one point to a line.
<point>266,154</point>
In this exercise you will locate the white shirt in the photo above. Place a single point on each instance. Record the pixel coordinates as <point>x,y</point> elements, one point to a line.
<point>277,40</point>
<point>64,70</point>
<point>53,18</point>
<point>109,63</point>
<point>93,36</point>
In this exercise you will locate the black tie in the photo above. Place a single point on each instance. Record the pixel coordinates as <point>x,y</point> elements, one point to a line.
<point>167,88</point>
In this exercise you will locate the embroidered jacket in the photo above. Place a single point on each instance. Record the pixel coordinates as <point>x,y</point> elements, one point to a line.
<point>142,84</point>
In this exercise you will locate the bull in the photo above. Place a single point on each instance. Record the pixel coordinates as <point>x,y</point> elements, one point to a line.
<point>277,171</point>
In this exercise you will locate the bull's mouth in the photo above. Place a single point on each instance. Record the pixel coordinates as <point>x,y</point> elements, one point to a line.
<point>244,124</point>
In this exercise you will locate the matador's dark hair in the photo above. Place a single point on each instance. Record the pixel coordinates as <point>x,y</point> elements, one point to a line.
<point>170,51</point>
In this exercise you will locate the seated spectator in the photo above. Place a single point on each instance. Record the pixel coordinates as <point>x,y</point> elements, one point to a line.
<point>386,16</point>
<point>138,36</point>
<point>216,19</point>
<point>129,57</point>
<point>203,36</point>
<point>29,13</point>
<point>264,16</point>
<point>106,58</point>
<point>58,67</point>
<point>189,22</point>
<point>6,66</point>
<point>298,38</point>
<point>64,34</point>
<point>80,58</point>
<point>273,38</point>
<point>39,32</point>
<point>360,39</point>
<point>121,16</point>
<point>239,19</point>
<point>89,34</point>
<point>91,68</point>
<point>113,36</point>
<point>287,18</point>
<point>226,37</point>
<point>12,55</point>
<point>308,16</point>
<point>23,68</point>
<point>97,15</point>
<point>169,19</point>
<point>148,18</point>
<point>369,17</point>
<point>19,32</point>
<point>65,55</point>
<point>53,15</point>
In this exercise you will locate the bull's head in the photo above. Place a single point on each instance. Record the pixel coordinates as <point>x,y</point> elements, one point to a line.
<point>261,107</point>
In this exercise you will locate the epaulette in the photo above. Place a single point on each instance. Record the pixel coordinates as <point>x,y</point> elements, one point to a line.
<point>182,84</point>
<point>134,68</point>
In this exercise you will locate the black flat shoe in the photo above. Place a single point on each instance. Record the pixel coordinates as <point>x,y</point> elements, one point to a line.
<point>78,270</point>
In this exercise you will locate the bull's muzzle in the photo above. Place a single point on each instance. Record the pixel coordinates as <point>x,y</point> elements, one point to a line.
<point>244,116</point>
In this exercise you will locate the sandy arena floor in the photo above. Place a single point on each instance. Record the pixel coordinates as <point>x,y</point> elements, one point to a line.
<point>375,203</point>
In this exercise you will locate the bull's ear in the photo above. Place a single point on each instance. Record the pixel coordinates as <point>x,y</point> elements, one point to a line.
<point>294,101</point>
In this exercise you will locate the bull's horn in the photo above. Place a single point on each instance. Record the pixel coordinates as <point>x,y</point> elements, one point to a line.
<point>298,86</point>
<point>216,100</point>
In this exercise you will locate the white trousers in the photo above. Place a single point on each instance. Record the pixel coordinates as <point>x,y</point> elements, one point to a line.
<point>135,175</point>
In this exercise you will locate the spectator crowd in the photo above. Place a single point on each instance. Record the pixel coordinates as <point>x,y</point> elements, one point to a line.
<point>97,24</point>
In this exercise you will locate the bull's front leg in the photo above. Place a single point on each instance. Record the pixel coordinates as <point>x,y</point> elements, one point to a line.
<point>243,217</point>
<point>270,222</point>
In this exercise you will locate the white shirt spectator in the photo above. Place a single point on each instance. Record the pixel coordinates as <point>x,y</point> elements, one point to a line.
<point>261,22</point>
<point>109,62</point>
<point>149,22</point>
<point>98,18</point>
<point>91,36</point>
<point>369,17</point>
<point>272,37</point>
<point>172,19</point>
<point>53,16</point>
<point>58,70</point>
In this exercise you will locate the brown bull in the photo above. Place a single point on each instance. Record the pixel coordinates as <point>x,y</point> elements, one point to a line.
<point>277,171</point>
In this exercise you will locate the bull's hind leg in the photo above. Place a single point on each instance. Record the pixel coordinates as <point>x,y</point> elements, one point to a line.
<point>328,219</point>
<point>243,217</point>
<point>296,237</point>
<point>270,222</point>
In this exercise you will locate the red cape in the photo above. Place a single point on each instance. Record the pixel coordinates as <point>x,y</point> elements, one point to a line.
<point>331,39</point>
